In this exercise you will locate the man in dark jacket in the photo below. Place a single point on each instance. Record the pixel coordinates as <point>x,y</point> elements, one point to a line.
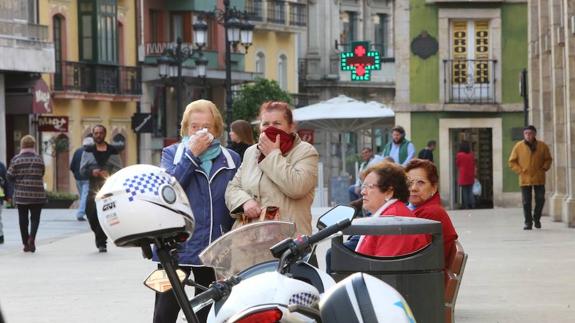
<point>98,163</point>
<point>82,182</point>
<point>427,152</point>
<point>4,194</point>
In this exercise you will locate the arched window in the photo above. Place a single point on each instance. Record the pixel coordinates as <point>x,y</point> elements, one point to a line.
<point>282,72</point>
<point>260,63</point>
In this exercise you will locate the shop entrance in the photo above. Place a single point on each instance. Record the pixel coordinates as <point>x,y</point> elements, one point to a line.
<point>481,141</point>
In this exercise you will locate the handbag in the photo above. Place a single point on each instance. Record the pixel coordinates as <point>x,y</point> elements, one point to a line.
<point>476,189</point>
<point>270,213</point>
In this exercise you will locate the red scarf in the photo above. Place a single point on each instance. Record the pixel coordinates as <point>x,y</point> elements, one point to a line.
<point>286,140</point>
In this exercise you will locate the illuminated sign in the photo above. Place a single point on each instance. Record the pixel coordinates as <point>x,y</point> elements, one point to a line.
<point>360,61</point>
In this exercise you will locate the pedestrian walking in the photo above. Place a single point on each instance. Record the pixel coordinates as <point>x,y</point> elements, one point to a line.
<point>97,164</point>
<point>241,137</point>
<point>530,159</point>
<point>368,159</point>
<point>280,171</point>
<point>427,152</point>
<point>465,163</point>
<point>26,172</point>
<point>4,195</point>
<point>399,148</point>
<point>204,168</point>
<point>82,182</point>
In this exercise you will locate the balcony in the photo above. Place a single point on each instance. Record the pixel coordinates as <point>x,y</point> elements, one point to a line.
<point>97,78</point>
<point>277,15</point>
<point>25,47</point>
<point>469,81</point>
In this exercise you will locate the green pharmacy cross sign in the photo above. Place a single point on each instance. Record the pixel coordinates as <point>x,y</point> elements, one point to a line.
<point>360,61</point>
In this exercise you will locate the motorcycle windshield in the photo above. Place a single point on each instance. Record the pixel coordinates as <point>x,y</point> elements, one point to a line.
<point>245,247</point>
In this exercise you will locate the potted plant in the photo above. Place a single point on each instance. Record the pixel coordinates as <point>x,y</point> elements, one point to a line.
<point>59,200</point>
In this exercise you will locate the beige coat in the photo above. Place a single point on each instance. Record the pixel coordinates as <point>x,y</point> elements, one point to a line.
<point>287,182</point>
<point>530,167</point>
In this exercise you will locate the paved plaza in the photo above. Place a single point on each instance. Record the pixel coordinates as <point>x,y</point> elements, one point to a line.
<point>511,276</point>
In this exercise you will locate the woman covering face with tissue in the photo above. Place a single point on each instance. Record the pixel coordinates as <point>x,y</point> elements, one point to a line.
<point>280,171</point>
<point>204,168</point>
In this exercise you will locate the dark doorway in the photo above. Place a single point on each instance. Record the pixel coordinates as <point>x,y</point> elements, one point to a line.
<point>481,141</point>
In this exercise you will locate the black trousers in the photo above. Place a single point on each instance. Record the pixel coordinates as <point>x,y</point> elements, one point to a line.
<point>34,210</point>
<point>166,306</point>
<point>92,215</point>
<point>526,196</point>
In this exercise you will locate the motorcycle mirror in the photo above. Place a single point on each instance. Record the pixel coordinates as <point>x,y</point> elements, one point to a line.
<point>335,215</point>
<point>159,281</point>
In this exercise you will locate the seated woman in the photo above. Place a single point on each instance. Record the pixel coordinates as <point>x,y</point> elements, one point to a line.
<point>425,201</point>
<point>384,193</point>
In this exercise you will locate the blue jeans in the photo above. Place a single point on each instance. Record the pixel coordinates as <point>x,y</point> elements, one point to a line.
<point>351,244</point>
<point>352,194</point>
<point>83,188</point>
<point>467,197</point>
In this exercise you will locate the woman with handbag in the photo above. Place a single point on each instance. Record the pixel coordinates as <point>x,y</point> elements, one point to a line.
<point>26,172</point>
<point>280,171</point>
<point>204,168</point>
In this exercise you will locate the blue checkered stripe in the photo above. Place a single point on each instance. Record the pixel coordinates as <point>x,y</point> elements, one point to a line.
<point>304,299</point>
<point>144,183</point>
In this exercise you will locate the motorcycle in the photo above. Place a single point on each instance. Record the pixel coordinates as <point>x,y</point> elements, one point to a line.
<point>262,276</point>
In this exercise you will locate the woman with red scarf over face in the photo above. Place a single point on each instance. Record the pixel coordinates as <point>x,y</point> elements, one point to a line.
<point>425,202</point>
<point>280,171</point>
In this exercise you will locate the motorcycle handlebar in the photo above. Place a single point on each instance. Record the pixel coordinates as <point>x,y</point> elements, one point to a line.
<point>216,291</point>
<point>322,234</point>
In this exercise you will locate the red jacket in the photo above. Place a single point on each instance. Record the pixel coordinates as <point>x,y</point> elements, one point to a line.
<point>392,245</point>
<point>432,209</point>
<point>465,163</point>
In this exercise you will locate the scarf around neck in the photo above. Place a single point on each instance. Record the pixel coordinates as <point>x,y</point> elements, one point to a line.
<point>209,155</point>
<point>286,140</point>
<point>532,145</point>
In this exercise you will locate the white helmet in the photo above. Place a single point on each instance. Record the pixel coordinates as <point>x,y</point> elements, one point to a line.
<point>363,296</point>
<point>142,202</point>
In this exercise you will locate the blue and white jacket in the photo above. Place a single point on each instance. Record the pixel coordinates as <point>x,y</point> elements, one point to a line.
<point>206,194</point>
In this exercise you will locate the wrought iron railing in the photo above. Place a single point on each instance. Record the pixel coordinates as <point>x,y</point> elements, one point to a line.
<point>98,78</point>
<point>469,81</point>
<point>276,11</point>
<point>255,9</point>
<point>297,14</point>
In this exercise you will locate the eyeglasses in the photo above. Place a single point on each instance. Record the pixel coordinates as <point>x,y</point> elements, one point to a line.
<point>415,181</point>
<point>368,186</point>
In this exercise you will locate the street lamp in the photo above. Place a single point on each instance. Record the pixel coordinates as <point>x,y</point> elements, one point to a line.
<point>237,29</point>
<point>170,64</point>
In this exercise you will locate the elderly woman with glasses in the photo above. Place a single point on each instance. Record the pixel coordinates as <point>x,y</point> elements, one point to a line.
<point>384,193</point>
<point>425,202</point>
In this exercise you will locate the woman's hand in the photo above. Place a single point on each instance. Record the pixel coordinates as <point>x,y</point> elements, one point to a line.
<point>199,143</point>
<point>252,209</point>
<point>266,146</point>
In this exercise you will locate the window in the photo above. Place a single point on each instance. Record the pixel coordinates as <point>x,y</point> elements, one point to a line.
<point>57,29</point>
<point>98,31</point>
<point>382,34</point>
<point>348,27</point>
<point>177,26</point>
<point>260,63</point>
<point>282,72</point>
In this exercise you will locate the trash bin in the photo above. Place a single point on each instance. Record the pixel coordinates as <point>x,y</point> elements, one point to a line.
<point>418,277</point>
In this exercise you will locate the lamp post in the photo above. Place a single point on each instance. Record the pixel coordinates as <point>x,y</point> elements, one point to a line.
<point>170,65</point>
<point>237,29</point>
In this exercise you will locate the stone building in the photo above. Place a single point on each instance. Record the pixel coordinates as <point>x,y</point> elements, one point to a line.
<point>552,98</point>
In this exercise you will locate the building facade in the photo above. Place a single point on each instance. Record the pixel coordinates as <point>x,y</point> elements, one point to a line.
<point>457,79</point>
<point>552,98</point>
<point>96,79</point>
<point>26,53</point>
<point>161,24</point>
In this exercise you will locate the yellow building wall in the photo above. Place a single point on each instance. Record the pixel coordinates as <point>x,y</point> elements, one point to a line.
<point>83,113</point>
<point>273,44</point>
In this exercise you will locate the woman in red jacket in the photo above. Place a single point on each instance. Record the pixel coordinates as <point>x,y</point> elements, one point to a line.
<point>425,202</point>
<point>465,162</point>
<point>384,193</point>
